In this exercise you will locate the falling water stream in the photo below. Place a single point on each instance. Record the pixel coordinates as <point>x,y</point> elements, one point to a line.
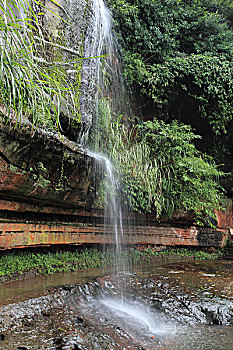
<point>102,76</point>
<point>112,207</point>
<point>102,40</point>
<point>107,82</point>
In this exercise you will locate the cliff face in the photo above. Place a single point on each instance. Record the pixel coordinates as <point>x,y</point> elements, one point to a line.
<point>40,164</point>
<point>37,164</point>
<point>71,24</point>
<point>47,181</point>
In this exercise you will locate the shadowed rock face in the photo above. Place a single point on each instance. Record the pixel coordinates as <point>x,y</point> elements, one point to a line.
<point>43,165</point>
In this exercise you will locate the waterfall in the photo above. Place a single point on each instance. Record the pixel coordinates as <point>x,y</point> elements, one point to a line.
<point>107,82</point>
<point>102,76</point>
<point>113,211</point>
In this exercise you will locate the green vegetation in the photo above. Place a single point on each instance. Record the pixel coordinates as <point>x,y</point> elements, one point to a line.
<point>177,56</point>
<point>149,253</point>
<point>63,261</point>
<point>159,167</point>
<point>30,86</point>
<point>48,263</point>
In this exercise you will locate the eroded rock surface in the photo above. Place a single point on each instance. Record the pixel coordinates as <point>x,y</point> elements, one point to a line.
<point>158,311</point>
<point>35,163</point>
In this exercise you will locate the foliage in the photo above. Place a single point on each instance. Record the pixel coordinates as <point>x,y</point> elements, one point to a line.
<point>178,54</point>
<point>157,30</point>
<point>148,253</point>
<point>200,80</point>
<point>60,261</point>
<point>63,261</point>
<point>193,176</point>
<point>159,167</point>
<point>29,85</point>
<point>224,7</point>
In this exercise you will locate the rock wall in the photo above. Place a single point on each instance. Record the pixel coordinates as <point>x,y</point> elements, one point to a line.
<point>20,235</point>
<point>47,181</point>
<point>45,166</point>
<point>71,24</point>
<point>46,188</point>
<point>30,222</point>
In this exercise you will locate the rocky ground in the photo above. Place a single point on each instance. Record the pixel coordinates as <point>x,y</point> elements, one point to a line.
<point>161,305</point>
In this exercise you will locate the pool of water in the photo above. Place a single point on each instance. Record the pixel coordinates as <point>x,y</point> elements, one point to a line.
<point>167,305</point>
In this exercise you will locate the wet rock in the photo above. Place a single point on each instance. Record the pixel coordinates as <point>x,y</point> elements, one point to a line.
<point>76,347</point>
<point>74,317</point>
<point>45,314</point>
<point>58,342</point>
<point>68,287</point>
<point>79,319</point>
<point>211,316</point>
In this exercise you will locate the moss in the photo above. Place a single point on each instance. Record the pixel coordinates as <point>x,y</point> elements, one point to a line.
<point>39,174</point>
<point>100,195</point>
<point>70,119</point>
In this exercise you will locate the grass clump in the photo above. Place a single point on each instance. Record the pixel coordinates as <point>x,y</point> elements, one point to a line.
<point>47,263</point>
<point>150,253</point>
<point>51,262</point>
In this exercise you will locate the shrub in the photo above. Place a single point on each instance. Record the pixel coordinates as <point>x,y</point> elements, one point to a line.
<point>159,167</point>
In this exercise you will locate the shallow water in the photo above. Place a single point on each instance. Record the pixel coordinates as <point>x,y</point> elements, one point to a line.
<point>23,288</point>
<point>171,305</point>
<point>153,330</point>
